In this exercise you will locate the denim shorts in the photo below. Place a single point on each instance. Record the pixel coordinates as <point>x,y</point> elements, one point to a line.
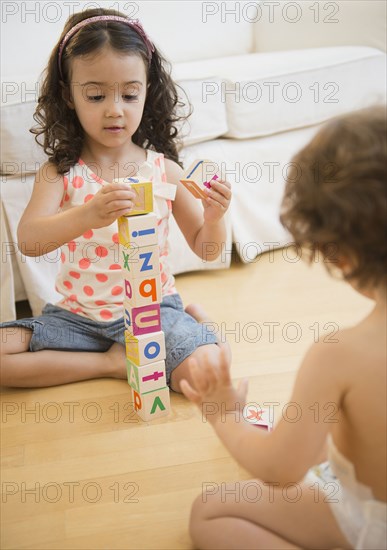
<point>59,329</point>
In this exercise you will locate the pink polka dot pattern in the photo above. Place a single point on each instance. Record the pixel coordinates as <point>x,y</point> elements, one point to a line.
<point>88,290</point>
<point>101,277</point>
<point>72,245</point>
<point>88,234</point>
<point>84,263</point>
<point>62,257</point>
<point>101,251</point>
<point>116,290</point>
<point>68,285</point>
<point>74,274</point>
<point>115,238</point>
<point>88,197</point>
<point>106,314</point>
<point>114,267</point>
<point>77,182</point>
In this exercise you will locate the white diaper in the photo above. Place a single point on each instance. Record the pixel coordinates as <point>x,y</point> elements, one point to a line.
<point>361,518</point>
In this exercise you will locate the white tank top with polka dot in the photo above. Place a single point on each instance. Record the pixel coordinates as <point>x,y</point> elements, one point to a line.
<point>90,277</point>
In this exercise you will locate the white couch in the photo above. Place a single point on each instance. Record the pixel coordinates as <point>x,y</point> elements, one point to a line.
<point>261,76</point>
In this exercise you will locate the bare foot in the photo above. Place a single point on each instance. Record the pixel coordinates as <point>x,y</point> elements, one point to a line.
<point>116,364</point>
<point>197,312</point>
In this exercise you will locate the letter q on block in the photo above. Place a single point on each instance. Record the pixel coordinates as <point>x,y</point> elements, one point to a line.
<point>142,291</point>
<point>146,348</point>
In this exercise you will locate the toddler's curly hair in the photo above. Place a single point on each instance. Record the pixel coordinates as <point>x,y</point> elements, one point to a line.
<point>335,199</point>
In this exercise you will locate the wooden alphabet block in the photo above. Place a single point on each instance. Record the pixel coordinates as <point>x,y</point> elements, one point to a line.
<point>142,261</point>
<point>145,349</point>
<point>142,320</point>
<point>146,378</point>
<point>138,230</point>
<point>143,202</point>
<point>142,291</point>
<point>149,406</point>
<point>199,176</point>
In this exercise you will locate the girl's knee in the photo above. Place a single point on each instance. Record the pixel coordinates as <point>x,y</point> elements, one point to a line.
<point>14,340</point>
<point>214,354</point>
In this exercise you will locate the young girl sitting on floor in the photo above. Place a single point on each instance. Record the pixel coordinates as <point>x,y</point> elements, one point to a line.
<point>107,111</point>
<point>334,201</point>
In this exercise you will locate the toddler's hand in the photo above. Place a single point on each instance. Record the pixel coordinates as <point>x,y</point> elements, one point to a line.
<point>217,201</point>
<point>111,201</point>
<point>214,386</point>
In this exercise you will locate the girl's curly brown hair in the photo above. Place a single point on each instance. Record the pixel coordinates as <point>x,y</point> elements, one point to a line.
<point>335,197</point>
<point>58,124</point>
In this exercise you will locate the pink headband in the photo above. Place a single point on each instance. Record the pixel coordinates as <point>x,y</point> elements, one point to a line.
<point>134,23</point>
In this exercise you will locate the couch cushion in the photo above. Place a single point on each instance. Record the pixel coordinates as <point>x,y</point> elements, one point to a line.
<point>208,119</point>
<point>267,93</point>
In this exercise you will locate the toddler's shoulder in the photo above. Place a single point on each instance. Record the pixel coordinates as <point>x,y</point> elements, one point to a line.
<point>329,357</point>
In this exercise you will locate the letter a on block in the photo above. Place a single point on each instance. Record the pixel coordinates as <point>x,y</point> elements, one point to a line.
<point>132,372</point>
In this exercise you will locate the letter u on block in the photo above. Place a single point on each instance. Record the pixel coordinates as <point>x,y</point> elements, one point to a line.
<point>146,319</point>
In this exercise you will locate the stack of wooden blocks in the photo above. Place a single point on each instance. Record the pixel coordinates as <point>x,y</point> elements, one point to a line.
<point>145,344</point>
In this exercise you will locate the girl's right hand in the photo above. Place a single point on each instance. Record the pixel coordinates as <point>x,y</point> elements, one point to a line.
<point>111,202</point>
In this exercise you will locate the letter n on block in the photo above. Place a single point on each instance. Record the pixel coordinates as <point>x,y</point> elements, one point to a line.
<point>151,405</point>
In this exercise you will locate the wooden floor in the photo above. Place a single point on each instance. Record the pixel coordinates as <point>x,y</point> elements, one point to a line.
<point>79,471</point>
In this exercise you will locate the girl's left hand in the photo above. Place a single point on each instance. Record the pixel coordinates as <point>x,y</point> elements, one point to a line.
<point>217,201</point>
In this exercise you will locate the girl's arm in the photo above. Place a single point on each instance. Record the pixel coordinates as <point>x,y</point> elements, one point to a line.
<point>285,454</point>
<point>204,231</point>
<point>43,228</point>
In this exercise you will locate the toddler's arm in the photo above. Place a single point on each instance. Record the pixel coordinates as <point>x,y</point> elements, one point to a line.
<point>42,228</point>
<point>204,231</point>
<point>285,454</point>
